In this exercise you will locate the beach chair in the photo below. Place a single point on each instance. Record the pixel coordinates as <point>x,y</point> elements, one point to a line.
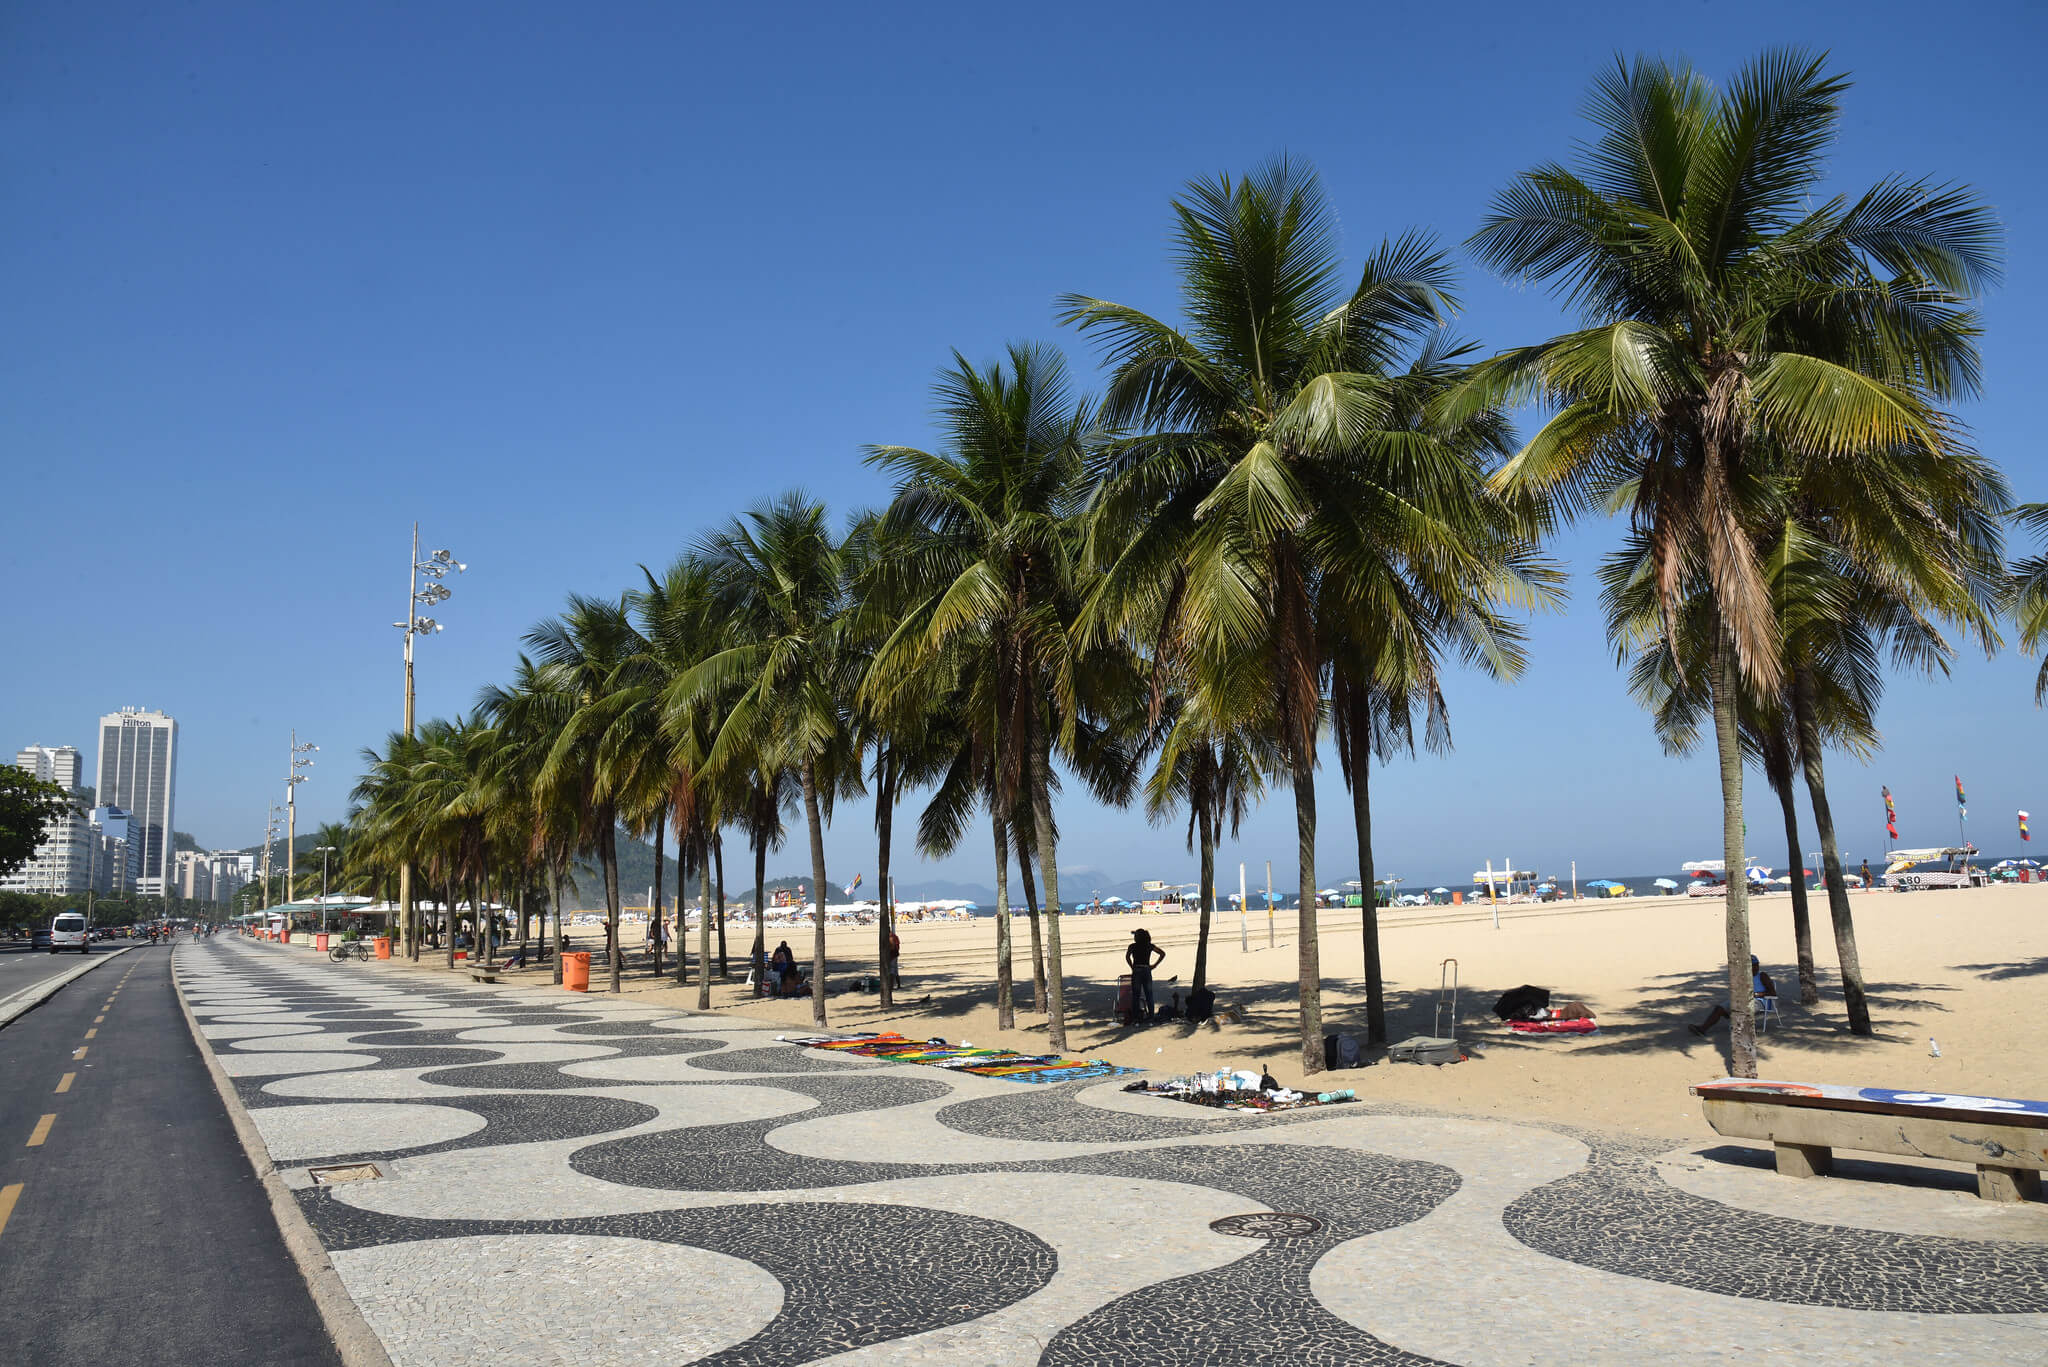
<point>1766,1012</point>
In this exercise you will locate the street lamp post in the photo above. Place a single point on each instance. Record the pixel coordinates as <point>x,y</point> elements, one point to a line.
<point>292,779</point>
<point>435,567</point>
<point>323,851</point>
<point>269,838</point>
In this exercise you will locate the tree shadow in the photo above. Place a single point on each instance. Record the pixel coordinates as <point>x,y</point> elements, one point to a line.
<point>2018,968</point>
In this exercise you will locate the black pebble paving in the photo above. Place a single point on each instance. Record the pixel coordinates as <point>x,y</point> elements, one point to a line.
<point>1619,1215</point>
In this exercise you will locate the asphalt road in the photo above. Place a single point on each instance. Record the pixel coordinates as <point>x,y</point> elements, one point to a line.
<point>132,1229</point>
<point>19,967</point>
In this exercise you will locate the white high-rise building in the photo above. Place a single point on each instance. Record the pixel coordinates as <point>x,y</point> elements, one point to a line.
<point>56,764</point>
<point>139,773</point>
<point>62,863</point>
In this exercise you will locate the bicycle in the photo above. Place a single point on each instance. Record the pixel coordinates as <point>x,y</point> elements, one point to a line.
<point>350,949</point>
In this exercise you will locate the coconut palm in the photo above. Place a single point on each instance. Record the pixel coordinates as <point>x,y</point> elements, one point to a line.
<point>780,587</point>
<point>1216,768</point>
<point>2027,593</point>
<point>582,658</point>
<point>529,714</point>
<point>994,586</point>
<point>1733,322</point>
<point>1264,476</point>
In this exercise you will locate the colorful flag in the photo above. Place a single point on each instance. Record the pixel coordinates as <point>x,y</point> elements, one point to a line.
<point>854,884</point>
<point>1891,816</point>
<point>1962,803</point>
<point>2023,827</point>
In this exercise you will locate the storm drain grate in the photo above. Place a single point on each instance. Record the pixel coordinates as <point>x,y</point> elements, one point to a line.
<point>344,1172</point>
<point>1268,1225</point>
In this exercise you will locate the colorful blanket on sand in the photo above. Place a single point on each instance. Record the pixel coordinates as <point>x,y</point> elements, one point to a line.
<point>1003,1063</point>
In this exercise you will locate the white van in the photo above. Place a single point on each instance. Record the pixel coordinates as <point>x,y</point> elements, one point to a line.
<point>68,932</point>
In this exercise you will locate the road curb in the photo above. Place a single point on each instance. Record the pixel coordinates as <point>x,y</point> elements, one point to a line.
<point>353,1337</point>
<point>29,998</point>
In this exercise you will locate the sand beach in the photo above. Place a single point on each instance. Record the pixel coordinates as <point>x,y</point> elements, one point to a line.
<point>1964,968</point>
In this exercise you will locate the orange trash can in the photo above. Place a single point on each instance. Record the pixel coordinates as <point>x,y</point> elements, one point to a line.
<point>1457,899</point>
<point>320,942</point>
<point>383,946</point>
<point>576,971</point>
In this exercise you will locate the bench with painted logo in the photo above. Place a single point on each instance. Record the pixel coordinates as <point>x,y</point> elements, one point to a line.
<point>2006,1140</point>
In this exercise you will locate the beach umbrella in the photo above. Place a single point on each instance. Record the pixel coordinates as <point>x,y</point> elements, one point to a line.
<point>1756,873</point>
<point>1666,883</point>
<point>1439,889</point>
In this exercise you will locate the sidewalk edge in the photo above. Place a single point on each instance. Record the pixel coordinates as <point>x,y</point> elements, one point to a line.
<point>29,998</point>
<point>354,1339</point>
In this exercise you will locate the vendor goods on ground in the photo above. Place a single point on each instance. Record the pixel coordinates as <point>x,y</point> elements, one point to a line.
<point>962,1058</point>
<point>1239,1091</point>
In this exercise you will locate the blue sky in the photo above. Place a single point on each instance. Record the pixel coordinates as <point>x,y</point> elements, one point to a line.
<point>572,284</point>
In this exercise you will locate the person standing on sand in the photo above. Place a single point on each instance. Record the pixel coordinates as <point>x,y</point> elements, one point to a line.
<point>1866,873</point>
<point>1143,956</point>
<point>895,960</point>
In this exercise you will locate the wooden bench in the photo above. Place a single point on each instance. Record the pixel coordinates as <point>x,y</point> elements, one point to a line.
<point>2006,1140</point>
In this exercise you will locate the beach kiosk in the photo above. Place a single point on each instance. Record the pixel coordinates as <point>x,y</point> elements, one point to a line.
<point>1906,872</point>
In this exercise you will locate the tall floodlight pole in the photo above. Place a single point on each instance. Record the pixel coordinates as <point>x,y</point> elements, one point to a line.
<point>323,851</point>
<point>269,839</point>
<point>293,777</point>
<point>434,567</point>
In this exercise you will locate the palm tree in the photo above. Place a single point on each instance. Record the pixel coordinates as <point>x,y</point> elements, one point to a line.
<point>582,658</point>
<point>1734,323</point>
<point>1217,768</point>
<point>1262,464</point>
<point>994,588</point>
<point>529,714</point>
<point>2027,594</point>
<point>780,585</point>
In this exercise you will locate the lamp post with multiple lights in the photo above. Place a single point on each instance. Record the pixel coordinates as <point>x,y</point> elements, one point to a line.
<point>294,775</point>
<point>434,568</point>
<point>323,851</point>
<point>269,838</point>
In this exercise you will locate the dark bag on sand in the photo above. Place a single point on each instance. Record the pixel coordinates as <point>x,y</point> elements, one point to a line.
<point>1524,1003</point>
<point>1342,1051</point>
<point>1201,1004</point>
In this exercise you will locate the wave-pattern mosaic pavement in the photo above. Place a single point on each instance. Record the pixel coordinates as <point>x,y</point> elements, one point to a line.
<point>908,1217</point>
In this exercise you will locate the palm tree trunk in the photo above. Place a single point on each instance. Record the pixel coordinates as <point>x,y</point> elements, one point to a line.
<point>1369,900</point>
<point>608,851</point>
<point>1853,995</point>
<point>1030,883</point>
<point>1006,1007</point>
<point>660,830</point>
<point>1778,770</point>
<point>815,822</point>
<point>718,864</point>
<point>1207,892</point>
<point>685,855</point>
<point>1309,953</point>
<point>448,920</point>
<point>760,964</point>
<point>1727,741</point>
<point>885,811</point>
<point>1048,864</point>
<point>703,927</point>
<point>557,903</point>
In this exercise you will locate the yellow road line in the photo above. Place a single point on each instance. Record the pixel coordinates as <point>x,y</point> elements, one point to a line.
<point>100,1017</point>
<point>41,1132</point>
<point>94,1031</point>
<point>79,1052</point>
<point>64,1083</point>
<point>9,1194</point>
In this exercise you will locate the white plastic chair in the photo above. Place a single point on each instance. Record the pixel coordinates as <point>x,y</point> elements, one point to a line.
<point>1766,1012</point>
